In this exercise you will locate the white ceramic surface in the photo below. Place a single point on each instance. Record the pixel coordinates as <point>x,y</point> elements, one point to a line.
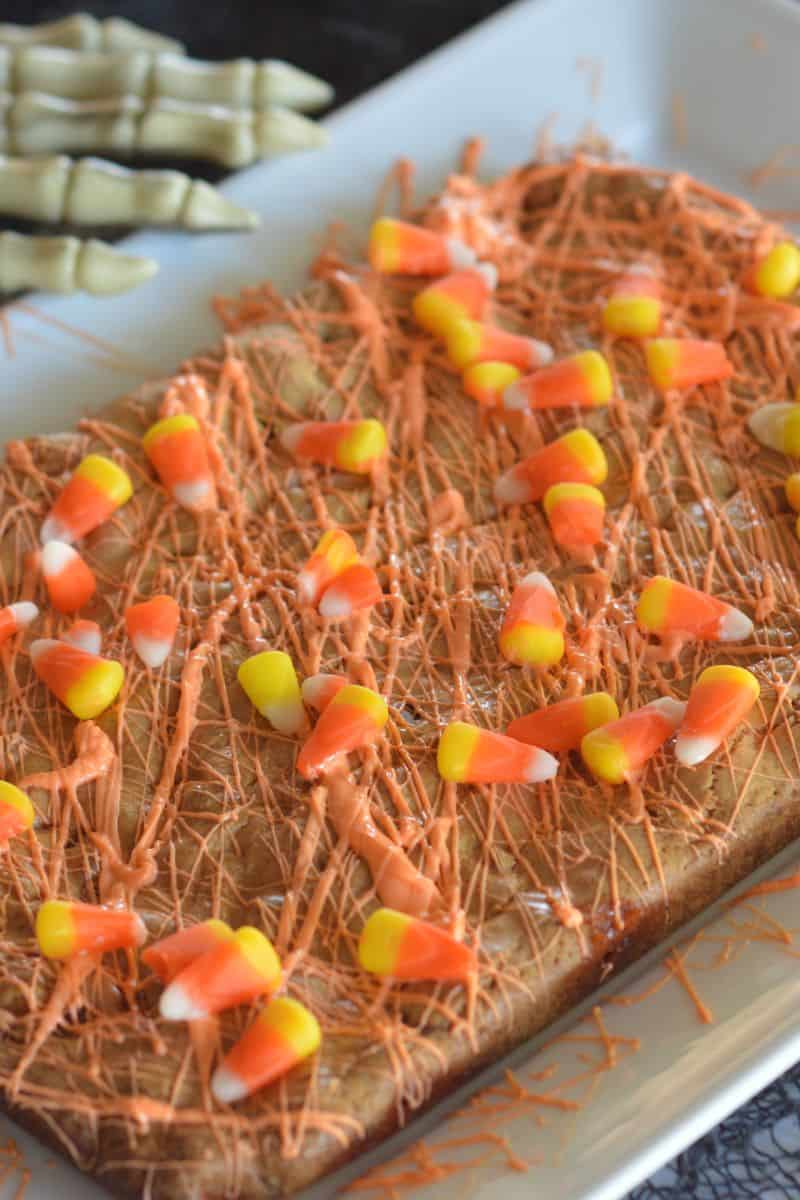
<point>732,63</point>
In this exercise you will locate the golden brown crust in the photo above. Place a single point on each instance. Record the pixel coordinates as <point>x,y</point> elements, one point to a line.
<point>201,813</point>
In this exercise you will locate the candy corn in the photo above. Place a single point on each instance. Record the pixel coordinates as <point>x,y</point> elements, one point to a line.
<point>96,489</point>
<point>468,754</point>
<point>666,606</point>
<point>86,635</point>
<point>397,946</point>
<point>777,274</point>
<point>234,972</point>
<point>792,488</point>
<point>617,752</point>
<point>686,362</point>
<point>270,681</point>
<point>353,719</point>
<point>575,513</point>
<point>334,551</point>
<point>721,698</point>
<point>16,812</point>
<point>281,1036</point>
<point>532,633</point>
<point>777,426</point>
<point>176,448</point>
<point>152,626</point>
<point>561,727</point>
<point>69,581</point>
<point>464,294</point>
<point>398,248</point>
<point>469,342</point>
<point>318,690</point>
<point>16,617</point>
<point>167,958</point>
<point>84,683</point>
<point>356,588</point>
<point>633,308</point>
<point>65,928</point>
<point>486,382</point>
<point>575,457</point>
<point>354,446</point>
<point>581,381</point>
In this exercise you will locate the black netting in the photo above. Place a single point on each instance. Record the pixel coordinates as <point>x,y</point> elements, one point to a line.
<point>753,1155</point>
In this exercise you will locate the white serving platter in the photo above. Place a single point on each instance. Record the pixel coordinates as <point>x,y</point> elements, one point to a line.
<point>727,69</point>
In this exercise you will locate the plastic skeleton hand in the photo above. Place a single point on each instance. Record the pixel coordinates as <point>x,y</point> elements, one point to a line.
<point>93,192</point>
<point>82,32</point>
<point>77,75</point>
<point>66,264</point>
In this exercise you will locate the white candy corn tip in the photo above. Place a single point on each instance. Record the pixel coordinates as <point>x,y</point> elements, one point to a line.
<point>766,424</point>
<point>55,557</point>
<point>40,647</point>
<point>333,606</point>
<point>89,640</point>
<point>508,489</point>
<point>288,719</point>
<point>489,272</point>
<point>289,438</point>
<point>54,530</point>
<point>177,1005</point>
<point>306,587</point>
<point>314,689</point>
<point>514,398</point>
<point>192,495</point>
<point>690,751</point>
<point>227,1087</point>
<point>735,626</point>
<point>24,612</point>
<point>461,256</point>
<point>152,651</point>
<point>538,579</point>
<point>543,767</point>
<point>542,351</point>
<point>672,710</point>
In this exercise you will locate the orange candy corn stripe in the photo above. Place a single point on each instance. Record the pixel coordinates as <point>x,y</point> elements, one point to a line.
<point>468,754</point>
<point>666,606</point>
<point>354,446</point>
<point>399,248</point>
<point>582,381</point>
<point>16,617</point>
<point>633,308</point>
<point>575,457</point>
<point>66,928</point>
<point>562,726</point>
<point>281,1036</point>
<point>86,635</point>
<point>576,514</point>
<point>176,449</point>
<point>152,626</point>
<point>533,627</point>
<point>334,551</point>
<point>618,751</point>
<point>318,690</point>
<point>354,589</point>
<point>235,971</point>
<point>683,363</point>
<point>69,581</point>
<point>16,812</point>
<point>718,702</point>
<point>84,683</point>
<point>462,295</point>
<point>96,490</point>
<point>354,718</point>
<point>470,342</point>
<point>172,954</point>
<point>396,946</point>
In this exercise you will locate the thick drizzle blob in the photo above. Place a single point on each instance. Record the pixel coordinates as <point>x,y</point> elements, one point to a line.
<point>182,802</point>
